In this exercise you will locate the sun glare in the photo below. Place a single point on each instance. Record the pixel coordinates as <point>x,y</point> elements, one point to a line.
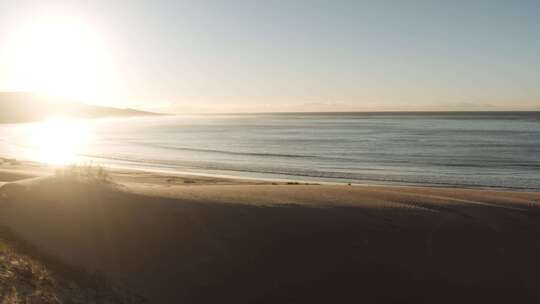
<point>59,141</point>
<point>58,56</point>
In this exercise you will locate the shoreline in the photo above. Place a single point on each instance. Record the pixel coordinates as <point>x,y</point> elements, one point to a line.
<point>29,168</point>
<point>284,177</point>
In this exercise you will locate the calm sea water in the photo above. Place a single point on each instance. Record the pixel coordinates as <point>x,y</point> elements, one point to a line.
<point>466,149</point>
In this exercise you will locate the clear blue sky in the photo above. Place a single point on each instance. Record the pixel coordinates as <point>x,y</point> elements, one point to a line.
<point>300,55</point>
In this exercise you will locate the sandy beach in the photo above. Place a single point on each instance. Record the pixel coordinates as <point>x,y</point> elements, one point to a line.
<point>192,239</point>
<point>269,152</point>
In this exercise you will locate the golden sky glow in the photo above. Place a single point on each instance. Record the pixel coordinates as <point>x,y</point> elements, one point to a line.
<point>251,56</point>
<point>58,56</point>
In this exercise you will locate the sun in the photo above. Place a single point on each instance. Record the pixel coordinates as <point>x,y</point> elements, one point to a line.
<point>58,56</point>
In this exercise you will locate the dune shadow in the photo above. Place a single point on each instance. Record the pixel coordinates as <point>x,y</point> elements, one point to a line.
<point>201,252</point>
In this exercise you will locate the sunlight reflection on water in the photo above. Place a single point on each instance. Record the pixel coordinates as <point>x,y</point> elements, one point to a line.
<point>56,141</point>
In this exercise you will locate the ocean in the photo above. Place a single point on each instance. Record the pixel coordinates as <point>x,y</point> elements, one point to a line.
<point>495,149</point>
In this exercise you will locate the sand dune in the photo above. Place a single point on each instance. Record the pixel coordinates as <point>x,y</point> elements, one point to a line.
<point>210,241</point>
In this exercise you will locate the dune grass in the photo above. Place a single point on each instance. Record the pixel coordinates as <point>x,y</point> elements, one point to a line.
<point>91,174</point>
<point>26,279</point>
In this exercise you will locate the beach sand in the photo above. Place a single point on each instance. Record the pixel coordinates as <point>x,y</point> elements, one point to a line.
<point>188,239</point>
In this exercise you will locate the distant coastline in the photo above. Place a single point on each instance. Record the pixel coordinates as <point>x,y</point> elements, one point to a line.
<point>479,112</point>
<point>20,107</point>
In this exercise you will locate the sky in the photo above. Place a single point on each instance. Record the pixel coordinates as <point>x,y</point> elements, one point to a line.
<point>259,56</point>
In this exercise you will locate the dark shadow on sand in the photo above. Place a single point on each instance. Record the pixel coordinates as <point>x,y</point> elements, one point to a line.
<point>175,251</point>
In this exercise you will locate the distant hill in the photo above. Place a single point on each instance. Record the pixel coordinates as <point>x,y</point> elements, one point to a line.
<point>27,107</point>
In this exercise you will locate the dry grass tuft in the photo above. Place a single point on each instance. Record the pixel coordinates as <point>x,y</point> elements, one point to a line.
<point>89,174</point>
<point>24,279</point>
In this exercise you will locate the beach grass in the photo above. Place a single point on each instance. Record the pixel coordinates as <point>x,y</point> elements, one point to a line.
<point>88,173</point>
